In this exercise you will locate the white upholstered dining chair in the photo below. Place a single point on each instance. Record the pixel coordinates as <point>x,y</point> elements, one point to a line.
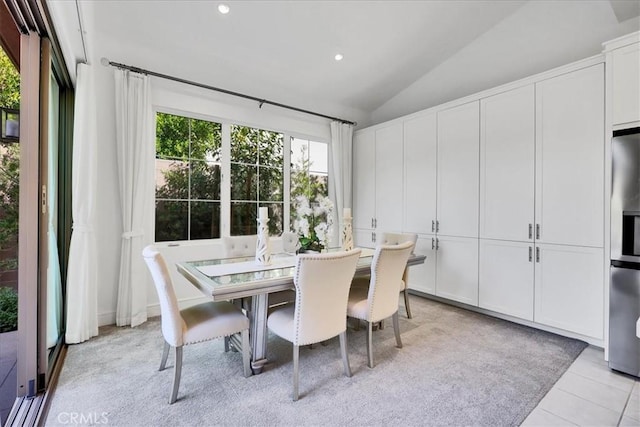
<point>202,322</point>
<point>239,246</point>
<point>379,300</point>
<point>322,286</point>
<point>396,239</point>
<point>290,242</point>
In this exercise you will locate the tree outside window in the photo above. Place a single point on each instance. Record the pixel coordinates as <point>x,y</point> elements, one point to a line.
<point>9,201</point>
<point>309,171</point>
<point>257,158</point>
<point>188,177</point>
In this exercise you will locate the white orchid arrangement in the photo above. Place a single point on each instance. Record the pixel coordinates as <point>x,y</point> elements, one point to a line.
<point>314,222</point>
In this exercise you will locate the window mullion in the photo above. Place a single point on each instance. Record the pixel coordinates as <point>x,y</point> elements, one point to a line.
<point>286,177</point>
<point>225,189</point>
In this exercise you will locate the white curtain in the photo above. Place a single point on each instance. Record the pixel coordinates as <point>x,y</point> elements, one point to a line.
<point>82,276</point>
<point>134,140</point>
<point>341,155</point>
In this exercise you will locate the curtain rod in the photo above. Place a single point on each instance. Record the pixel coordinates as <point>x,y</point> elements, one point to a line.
<point>260,101</point>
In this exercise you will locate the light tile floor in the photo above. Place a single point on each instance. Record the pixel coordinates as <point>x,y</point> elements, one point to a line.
<point>589,394</point>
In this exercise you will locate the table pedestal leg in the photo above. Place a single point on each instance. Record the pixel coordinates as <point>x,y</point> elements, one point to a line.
<point>258,331</point>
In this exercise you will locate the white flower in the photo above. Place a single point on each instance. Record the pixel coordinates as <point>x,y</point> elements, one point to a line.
<point>321,232</point>
<point>302,207</point>
<point>314,220</point>
<point>301,225</point>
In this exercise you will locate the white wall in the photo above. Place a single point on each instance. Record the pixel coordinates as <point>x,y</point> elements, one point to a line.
<point>176,97</point>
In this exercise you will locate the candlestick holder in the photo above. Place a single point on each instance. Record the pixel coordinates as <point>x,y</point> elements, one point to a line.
<point>347,234</point>
<point>263,249</point>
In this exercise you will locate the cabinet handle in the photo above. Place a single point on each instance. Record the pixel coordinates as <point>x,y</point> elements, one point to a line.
<point>433,243</point>
<point>530,231</point>
<point>537,254</point>
<point>373,237</point>
<point>530,254</point>
<point>371,222</point>
<point>437,244</point>
<point>537,231</point>
<point>437,226</point>
<point>433,226</point>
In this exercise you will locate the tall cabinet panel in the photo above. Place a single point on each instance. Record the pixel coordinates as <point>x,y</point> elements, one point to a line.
<point>388,174</point>
<point>507,154</point>
<point>364,179</point>
<point>420,144</point>
<point>569,158</point>
<point>458,169</point>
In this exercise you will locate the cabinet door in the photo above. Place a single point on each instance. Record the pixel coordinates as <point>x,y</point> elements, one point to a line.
<point>422,277</point>
<point>506,277</point>
<point>458,170</point>
<point>507,168</point>
<point>457,269</point>
<point>389,178</point>
<point>570,158</point>
<point>569,289</point>
<point>364,155</point>
<point>626,84</point>
<point>420,142</point>
<point>363,238</point>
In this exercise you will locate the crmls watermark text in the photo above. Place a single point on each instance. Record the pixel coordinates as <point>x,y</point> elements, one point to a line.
<point>78,418</point>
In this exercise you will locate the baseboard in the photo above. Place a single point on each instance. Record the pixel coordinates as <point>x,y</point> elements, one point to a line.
<point>590,340</point>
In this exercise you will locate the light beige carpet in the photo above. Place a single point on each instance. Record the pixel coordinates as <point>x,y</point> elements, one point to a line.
<point>456,368</point>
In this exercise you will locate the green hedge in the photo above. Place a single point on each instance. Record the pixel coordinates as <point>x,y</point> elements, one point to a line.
<point>8,310</point>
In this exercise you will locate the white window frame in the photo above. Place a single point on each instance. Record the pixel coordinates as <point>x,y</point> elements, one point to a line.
<point>225,179</point>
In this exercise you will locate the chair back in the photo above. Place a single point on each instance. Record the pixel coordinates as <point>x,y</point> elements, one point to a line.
<point>397,238</point>
<point>387,268</point>
<point>290,242</point>
<point>172,323</point>
<point>322,290</point>
<point>240,246</point>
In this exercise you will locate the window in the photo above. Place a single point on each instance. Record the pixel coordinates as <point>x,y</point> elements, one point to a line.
<point>188,163</point>
<point>257,159</point>
<point>193,201</point>
<point>309,170</point>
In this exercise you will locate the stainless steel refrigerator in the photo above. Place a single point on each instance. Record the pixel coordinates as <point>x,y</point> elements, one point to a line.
<point>624,298</point>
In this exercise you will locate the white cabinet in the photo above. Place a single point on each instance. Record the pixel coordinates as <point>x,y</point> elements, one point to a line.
<point>568,288</point>
<point>458,169</point>
<point>569,158</point>
<point>377,179</point>
<point>506,277</point>
<point>507,155</point>
<point>388,174</point>
<point>625,90</point>
<point>420,168</point>
<point>422,277</point>
<point>364,155</point>
<point>363,238</point>
<point>457,269</point>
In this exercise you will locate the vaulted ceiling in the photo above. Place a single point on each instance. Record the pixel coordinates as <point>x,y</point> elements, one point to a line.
<point>399,56</point>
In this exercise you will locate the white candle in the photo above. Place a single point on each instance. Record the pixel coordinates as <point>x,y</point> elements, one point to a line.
<point>346,213</point>
<point>263,213</point>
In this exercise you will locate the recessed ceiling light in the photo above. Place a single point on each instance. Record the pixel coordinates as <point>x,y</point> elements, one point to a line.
<point>223,8</point>
<point>338,57</point>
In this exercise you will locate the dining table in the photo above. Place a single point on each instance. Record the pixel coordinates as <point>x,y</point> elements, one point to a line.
<point>244,279</point>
